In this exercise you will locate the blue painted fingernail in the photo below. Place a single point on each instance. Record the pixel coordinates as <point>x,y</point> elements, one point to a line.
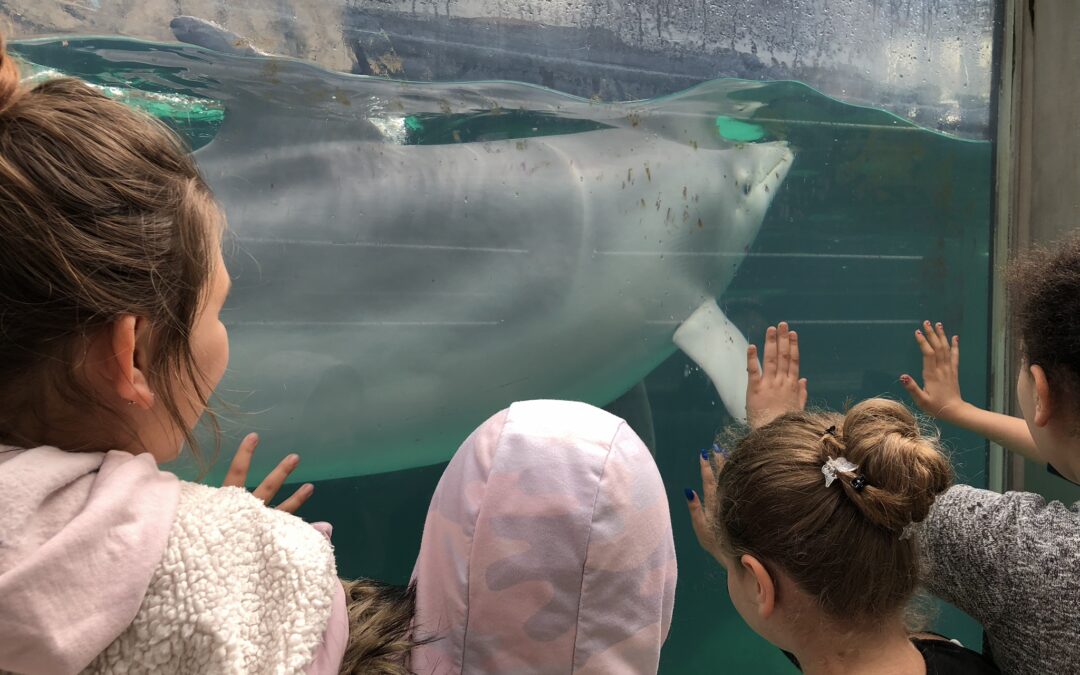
<point>689,494</point>
<point>705,455</point>
<point>723,452</point>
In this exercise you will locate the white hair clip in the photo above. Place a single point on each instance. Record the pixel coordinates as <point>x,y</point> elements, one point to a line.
<point>835,465</point>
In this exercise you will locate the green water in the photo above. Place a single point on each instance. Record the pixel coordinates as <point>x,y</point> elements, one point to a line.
<point>878,226</point>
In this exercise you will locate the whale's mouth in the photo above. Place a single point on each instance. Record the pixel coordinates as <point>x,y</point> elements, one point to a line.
<point>785,161</point>
<point>771,164</point>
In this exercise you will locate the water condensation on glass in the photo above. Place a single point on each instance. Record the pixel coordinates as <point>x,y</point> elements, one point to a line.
<point>926,60</point>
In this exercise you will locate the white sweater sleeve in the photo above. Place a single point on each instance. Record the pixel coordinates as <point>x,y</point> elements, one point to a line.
<point>241,588</point>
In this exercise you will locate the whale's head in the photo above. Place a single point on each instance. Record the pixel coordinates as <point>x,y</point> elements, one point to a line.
<point>209,35</point>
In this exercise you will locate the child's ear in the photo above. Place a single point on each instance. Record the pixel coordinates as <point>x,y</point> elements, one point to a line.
<point>765,597</point>
<point>125,367</point>
<point>1044,403</point>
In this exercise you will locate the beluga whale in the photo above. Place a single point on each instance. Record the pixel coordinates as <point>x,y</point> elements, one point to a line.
<point>213,36</point>
<point>409,258</point>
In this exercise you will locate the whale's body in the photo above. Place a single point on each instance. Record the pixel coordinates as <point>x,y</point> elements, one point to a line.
<point>389,297</point>
<point>408,258</point>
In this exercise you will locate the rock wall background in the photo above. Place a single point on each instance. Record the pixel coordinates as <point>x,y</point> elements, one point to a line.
<point>928,60</point>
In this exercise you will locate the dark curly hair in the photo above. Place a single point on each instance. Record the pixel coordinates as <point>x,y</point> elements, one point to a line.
<point>1044,295</point>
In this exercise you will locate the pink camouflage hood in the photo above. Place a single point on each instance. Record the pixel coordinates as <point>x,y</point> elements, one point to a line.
<point>547,549</point>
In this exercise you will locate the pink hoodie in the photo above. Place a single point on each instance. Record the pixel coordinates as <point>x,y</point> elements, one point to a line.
<point>81,537</point>
<point>547,549</point>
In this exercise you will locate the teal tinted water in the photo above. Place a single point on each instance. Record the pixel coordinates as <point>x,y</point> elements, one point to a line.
<point>878,226</point>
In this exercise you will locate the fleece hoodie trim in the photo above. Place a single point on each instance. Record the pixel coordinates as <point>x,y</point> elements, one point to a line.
<point>75,586</point>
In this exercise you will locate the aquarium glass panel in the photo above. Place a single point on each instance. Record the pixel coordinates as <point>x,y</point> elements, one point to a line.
<point>437,207</point>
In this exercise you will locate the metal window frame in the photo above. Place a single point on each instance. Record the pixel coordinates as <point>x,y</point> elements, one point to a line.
<point>1037,174</point>
<point>1012,169</point>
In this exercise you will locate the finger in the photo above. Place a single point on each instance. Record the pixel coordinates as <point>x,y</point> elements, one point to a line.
<point>929,360</point>
<point>939,331</point>
<point>931,336</point>
<point>272,483</point>
<point>924,346</point>
<point>770,353</point>
<point>928,332</point>
<point>783,350</point>
<point>297,499</point>
<point>956,353</point>
<point>913,389</point>
<point>802,394</point>
<point>944,355</point>
<point>241,462</point>
<point>699,520</point>
<point>753,368</point>
<point>708,476</point>
<point>793,356</point>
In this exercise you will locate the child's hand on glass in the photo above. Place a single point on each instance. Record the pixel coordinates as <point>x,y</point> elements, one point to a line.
<point>241,463</point>
<point>774,387</point>
<point>939,396</point>
<point>700,506</point>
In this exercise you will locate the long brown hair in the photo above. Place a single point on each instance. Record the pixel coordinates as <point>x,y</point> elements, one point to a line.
<point>104,214</point>
<point>842,544</point>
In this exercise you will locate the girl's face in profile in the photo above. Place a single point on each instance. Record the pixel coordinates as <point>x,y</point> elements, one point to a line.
<point>1045,416</point>
<point>1025,395</point>
<point>210,353</point>
<point>737,584</point>
<point>210,339</point>
<point>742,584</point>
<point>753,592</point>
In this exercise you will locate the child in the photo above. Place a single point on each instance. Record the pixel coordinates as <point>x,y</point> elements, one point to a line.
<point>1011,560</point>
<point>808,515</point>
<point>547,549</point>
<point>111,286</point>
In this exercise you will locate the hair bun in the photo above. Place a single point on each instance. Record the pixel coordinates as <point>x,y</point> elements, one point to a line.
<point>904,468</point>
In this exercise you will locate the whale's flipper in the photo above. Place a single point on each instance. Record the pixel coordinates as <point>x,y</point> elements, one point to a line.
<point>719,348</point>
<point>634,408</point>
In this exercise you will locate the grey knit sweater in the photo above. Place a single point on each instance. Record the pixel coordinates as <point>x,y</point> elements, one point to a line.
<point>1012,562</point>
